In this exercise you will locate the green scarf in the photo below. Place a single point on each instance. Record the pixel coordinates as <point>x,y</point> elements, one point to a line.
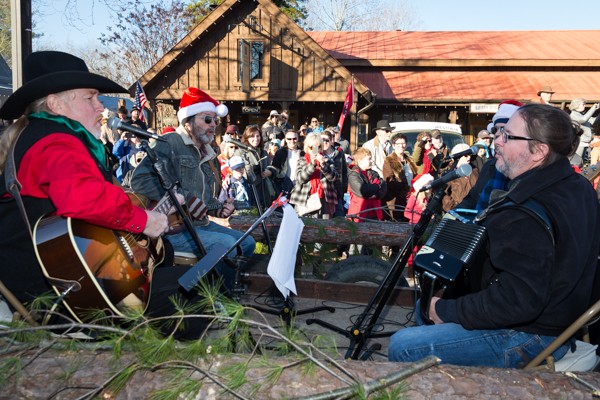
<point>95,146</point>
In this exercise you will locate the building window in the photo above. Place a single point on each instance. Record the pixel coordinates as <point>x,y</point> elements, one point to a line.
<point>251,53</point>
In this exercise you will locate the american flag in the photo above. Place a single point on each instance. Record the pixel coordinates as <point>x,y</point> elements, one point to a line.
<point>140,99</point>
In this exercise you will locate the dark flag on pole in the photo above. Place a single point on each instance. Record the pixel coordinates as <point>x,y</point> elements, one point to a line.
<point>140,99</point>
<point>347,105</point>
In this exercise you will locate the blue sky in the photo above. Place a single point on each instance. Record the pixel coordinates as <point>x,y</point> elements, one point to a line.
<point>432,15</point>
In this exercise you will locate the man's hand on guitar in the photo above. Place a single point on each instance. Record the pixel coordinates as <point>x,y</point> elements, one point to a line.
<point>156,225</point>
<point>227,210</point>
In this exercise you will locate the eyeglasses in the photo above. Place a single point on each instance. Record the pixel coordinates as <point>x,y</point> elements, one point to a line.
<point>291,138</point>
<point>400,144</point>
<point>208,119</point>
<point>506,136</point>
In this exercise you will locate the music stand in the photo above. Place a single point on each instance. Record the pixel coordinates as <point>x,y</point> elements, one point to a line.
<point>362,330</point>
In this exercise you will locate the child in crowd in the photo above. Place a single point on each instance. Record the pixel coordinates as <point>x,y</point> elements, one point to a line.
<point>417,200</point>
<point>238,188</point>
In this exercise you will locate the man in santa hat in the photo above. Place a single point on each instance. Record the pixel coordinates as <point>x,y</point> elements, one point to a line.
<point>191,161</point>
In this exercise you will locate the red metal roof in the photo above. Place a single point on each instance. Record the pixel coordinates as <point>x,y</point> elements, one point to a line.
<point>470,66</point>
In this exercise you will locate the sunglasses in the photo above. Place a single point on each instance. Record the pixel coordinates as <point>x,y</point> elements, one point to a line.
<point>208,119</point>
<point>291,138</point>
<point>232,147</point>
<point>325,140</point>
<point>283,117</point>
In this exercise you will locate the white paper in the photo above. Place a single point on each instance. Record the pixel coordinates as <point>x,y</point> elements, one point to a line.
<point>283,260</point>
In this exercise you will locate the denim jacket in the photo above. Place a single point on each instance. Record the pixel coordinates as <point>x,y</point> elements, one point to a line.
<point>185,165</point>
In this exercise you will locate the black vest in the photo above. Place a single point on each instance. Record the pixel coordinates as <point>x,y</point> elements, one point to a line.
<point>19,268</point>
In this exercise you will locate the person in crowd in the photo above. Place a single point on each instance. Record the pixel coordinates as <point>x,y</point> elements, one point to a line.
<point>256,162</point>
<point>438,153</point>
<point>269,125</point>
<point>63,169</point>
<point>417,199</point>
<point>191,159</point>
<point>490,178</point>
<point>595,143</point>
<point>421,151</point>
<point>285,162</point>
<point>398,172</point>
<point>135,118</point>
<point>220,130</point>
<point>272,148</point>
<point>233,132</point>
<point>585,120</point>
<point>457,189</point>
<point>314,192</point>
<point>123,114</point>
<point>302,132</point>
<point>284,123</point>
<point>107,136</point>
<point>544,95</point>
<point>238,188</point>
<point>315,126</point>
<point>484,139</point>
<point>380,146</point>
<point>340,141</point>
<point>228,150</point>
<point>534,281</point>
<point>124,149</point>
<point>336,154</point>
<point>367,188</point>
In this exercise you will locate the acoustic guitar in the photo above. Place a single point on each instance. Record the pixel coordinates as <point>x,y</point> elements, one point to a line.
<point>94,268</point>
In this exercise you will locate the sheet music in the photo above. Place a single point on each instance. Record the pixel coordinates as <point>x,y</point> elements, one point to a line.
<point>283,260</point>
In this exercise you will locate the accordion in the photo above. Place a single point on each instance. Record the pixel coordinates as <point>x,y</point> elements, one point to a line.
<point>452,248</point>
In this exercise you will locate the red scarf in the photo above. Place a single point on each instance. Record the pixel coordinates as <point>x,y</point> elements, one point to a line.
<point>315,178</point>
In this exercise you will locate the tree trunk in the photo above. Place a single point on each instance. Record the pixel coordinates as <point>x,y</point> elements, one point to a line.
<point>334,231</point>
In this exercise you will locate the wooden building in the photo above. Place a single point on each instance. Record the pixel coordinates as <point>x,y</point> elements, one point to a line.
<point>252,57</point>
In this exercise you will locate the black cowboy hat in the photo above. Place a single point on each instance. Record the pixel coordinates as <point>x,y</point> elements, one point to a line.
<point>383,124</point>
<point>48,72</point>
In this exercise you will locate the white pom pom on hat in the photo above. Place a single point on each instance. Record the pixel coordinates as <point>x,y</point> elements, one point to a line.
<point>195,101</point>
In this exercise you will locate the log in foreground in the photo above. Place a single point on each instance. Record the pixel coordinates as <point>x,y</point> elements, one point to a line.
<point>333,231</point>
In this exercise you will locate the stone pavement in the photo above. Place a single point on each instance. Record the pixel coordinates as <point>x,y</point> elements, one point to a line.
<point>344,317</point>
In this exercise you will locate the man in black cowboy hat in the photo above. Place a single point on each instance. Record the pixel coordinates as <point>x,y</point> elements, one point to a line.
<point>63,170</point>
<point>380,146</point>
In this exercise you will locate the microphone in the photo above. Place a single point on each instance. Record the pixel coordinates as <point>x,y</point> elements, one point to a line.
<point>228,139</point>
<point>115,123</point>
<point>469,152</point>
<point>463,170</point>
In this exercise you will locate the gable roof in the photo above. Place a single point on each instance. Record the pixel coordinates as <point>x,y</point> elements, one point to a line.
<point>205,27</point>
<point>456,66</point>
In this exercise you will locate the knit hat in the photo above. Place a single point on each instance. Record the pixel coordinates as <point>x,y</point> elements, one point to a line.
<point>458,148</point>
<point>420,181</point>
<point>195,101</point>
<point>276,142</point>
<point>235,162</point>
<point>506,109</point>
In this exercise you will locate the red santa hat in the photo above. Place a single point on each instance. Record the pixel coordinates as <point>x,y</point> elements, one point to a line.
<point>195,101</point>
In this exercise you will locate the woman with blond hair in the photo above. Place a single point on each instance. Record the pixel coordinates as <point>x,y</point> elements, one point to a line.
<point>314,193</point>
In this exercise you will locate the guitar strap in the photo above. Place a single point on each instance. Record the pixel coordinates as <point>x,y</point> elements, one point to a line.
<point>13,185</point>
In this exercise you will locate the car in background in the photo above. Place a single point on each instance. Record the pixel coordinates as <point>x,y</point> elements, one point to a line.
<point>451,133</point>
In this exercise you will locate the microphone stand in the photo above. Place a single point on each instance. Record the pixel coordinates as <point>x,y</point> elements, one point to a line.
<point>258,203</point>
<point>362,329</point>
<point>169,185</point>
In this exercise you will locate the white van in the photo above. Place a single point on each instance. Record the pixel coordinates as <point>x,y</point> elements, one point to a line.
<point>451,133</point>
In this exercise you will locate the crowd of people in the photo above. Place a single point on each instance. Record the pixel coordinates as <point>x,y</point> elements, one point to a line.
<point>533,282</point>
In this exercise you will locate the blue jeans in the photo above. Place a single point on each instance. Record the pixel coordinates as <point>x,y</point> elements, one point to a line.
<point>453,344</point>
<point>210,235</point>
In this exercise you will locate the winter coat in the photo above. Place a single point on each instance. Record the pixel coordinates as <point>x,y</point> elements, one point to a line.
<point>302,187</point>
<point>366,191</point>
<point>398,185</point>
